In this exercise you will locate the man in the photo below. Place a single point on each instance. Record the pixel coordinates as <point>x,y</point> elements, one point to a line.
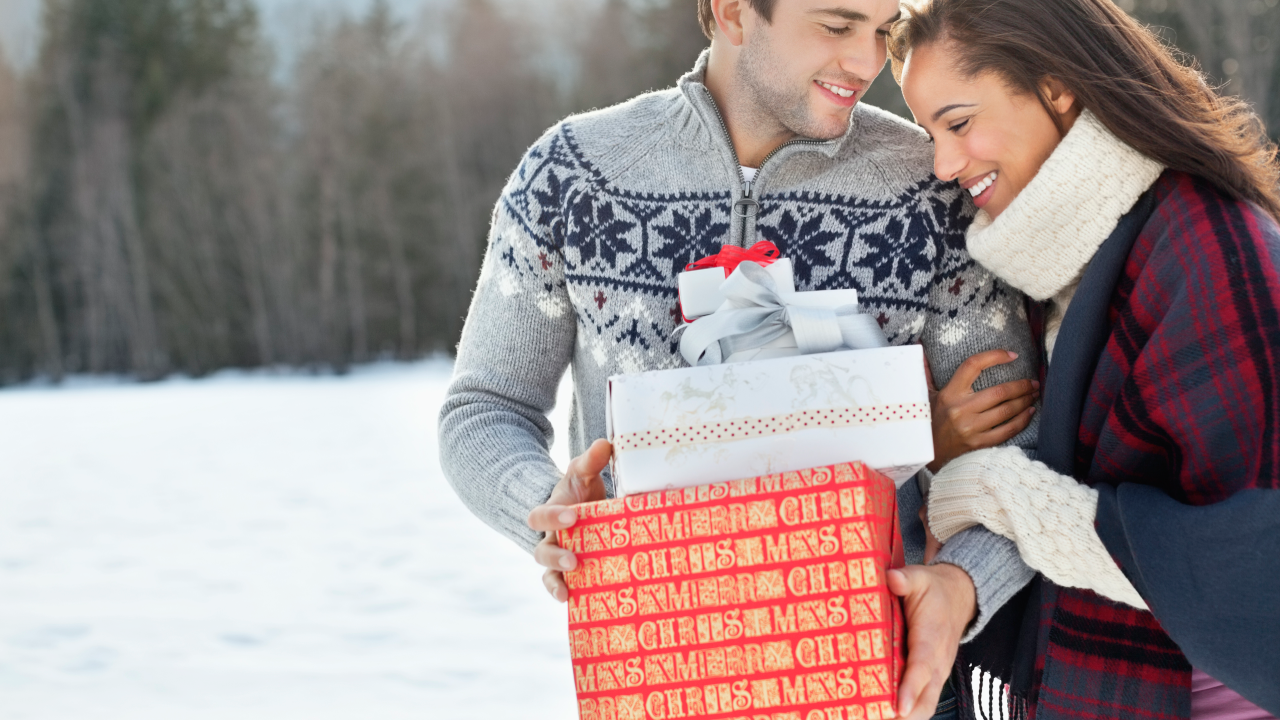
<point>764,140</point>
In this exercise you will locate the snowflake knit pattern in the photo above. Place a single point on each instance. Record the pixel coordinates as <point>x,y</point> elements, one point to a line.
<point>608,207</point>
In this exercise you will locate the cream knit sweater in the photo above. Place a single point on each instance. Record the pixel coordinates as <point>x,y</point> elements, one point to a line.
<point>1041,245</point>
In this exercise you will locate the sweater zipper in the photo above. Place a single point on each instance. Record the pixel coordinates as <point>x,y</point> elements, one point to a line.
<point>750,205</point>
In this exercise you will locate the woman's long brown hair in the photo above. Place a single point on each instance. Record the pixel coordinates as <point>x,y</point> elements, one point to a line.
<point>1116,68</point>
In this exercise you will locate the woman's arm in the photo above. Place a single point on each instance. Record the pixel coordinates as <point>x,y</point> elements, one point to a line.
<point>1210,574</point>
<point>1050,516</point>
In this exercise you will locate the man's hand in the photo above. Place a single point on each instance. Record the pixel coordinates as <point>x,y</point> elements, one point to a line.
<point>581,483</point>
<point>964,420</point>
<point>940,602</point>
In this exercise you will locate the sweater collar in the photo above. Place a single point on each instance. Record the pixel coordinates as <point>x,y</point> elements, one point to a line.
<point>1042,242</point>
<point>693,86</point>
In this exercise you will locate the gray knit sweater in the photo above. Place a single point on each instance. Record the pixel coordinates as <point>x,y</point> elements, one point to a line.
<point>607,207</point>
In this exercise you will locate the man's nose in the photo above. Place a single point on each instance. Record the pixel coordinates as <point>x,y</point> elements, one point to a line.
<point>864,59</point>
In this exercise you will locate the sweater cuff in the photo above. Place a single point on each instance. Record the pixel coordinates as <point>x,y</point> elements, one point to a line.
<point>523,488</point>
<point>994,565</point>
<point>960,497</point>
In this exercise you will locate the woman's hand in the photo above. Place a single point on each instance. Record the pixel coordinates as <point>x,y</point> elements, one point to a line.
<point>964,420</point>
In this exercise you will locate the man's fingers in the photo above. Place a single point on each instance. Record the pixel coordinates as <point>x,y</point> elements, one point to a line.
<point>554,582</point>
<point>550,555</point>
<point>969,370</point>
<point>549,518</point>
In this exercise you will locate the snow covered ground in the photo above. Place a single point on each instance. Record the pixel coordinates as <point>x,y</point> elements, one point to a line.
<point>258,546</point>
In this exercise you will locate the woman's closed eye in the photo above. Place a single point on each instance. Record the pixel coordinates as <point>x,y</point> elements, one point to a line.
<point>957,127</point>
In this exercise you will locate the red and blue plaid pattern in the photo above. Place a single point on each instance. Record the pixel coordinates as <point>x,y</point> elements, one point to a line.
<point>1186,399</point>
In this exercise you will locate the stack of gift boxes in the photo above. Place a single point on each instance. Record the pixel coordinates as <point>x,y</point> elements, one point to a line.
<point>769,404</point>
<point>740,574</point>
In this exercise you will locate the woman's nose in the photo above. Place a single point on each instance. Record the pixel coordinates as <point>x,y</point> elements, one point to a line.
<point>947,163</point>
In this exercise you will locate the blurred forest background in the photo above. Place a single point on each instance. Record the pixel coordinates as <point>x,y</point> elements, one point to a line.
<point>170,201</point>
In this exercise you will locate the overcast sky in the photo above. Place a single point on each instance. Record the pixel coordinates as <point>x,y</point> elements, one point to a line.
<point>285,21</point>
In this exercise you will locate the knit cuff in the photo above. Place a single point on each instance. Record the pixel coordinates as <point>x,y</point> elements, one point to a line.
<point>924,479</point>
<point>960,496</point>
<point>523,487</point>
<point>995,567</point>
<point>1050,516</point>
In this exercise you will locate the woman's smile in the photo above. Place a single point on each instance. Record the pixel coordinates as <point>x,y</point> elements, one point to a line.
<point>982,188</point>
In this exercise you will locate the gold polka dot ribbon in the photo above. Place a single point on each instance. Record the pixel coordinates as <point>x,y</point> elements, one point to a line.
<point>732,430</point>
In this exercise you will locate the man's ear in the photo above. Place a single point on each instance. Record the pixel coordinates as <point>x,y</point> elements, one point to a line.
<point>729,19</point>
<point>1061,99</point>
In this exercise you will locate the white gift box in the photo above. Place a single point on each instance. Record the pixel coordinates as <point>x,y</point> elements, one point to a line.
<point>700,289</point>
<point>694,426</point>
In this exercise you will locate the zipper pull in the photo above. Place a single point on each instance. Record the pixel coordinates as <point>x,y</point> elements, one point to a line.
<point>746,206</point>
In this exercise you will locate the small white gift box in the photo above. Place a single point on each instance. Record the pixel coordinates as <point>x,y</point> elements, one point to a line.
<point>700,289</point>
<point>759,320</point>
<point>695,426</point>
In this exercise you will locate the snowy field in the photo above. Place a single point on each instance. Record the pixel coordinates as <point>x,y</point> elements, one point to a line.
<point>256,546</point>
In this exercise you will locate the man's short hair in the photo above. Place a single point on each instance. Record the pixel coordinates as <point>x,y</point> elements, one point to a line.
<point>763,8</point>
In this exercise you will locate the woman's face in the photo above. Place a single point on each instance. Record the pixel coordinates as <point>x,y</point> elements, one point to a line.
<point>990,138</point>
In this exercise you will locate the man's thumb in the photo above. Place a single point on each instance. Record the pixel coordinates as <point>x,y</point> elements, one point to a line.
<point>901,582</point>
<point>584,472</point>
<point>598,456</point>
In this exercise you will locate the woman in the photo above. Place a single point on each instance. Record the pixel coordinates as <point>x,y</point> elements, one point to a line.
<point>1119,189</point>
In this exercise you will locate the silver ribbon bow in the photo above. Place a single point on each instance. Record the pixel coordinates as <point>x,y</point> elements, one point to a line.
<point>755,314</point>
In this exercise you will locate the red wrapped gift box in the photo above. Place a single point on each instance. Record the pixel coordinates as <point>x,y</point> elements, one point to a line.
<point>759,599</point>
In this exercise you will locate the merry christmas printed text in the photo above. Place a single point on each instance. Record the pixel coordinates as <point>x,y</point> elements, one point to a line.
<point>726,600</point>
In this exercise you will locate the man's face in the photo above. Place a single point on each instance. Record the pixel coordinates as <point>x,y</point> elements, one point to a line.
<point>807,68</point>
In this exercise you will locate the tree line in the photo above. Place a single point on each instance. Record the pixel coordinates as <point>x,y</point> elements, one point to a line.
<point>169,204</point>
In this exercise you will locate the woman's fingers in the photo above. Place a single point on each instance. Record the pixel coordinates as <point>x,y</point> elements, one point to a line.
<point>969,370</point>
<point>984,400</point>
<point>1002,413</point>
<point>1003,433</point>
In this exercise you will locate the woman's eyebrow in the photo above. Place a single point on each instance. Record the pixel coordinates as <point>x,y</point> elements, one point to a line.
<point>949,108</point>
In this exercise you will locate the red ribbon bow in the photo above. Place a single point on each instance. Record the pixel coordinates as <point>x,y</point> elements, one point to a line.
<point>764,253</point>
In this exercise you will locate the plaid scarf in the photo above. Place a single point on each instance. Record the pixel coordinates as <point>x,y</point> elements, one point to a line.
<point>1166,375</point>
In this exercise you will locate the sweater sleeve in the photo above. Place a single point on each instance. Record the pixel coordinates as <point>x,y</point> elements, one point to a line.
<point>1050,517</point>
<point>517,342</point>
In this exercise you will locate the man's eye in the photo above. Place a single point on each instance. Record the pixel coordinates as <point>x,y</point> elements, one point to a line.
<point>884,32</point>
<point>837,31</point>
<point>958,126</point>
